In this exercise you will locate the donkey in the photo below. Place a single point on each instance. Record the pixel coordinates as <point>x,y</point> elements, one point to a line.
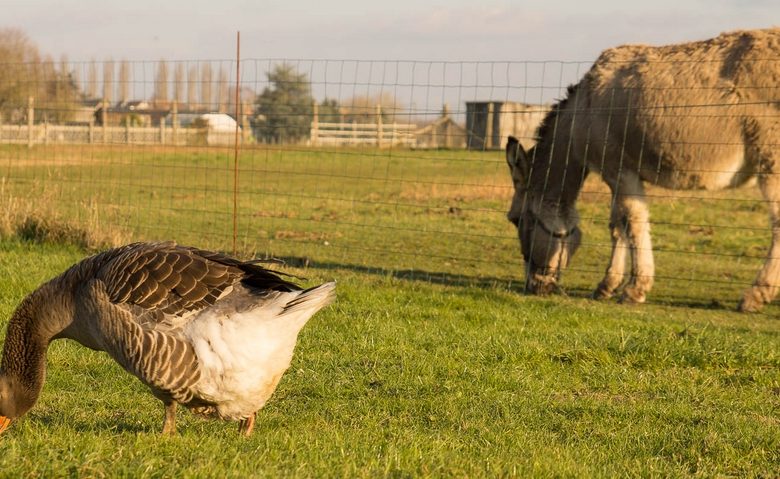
<point>700,115</point>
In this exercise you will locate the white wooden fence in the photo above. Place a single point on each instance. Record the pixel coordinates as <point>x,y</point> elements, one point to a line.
<point>45,133</point>
<point>381,134</point>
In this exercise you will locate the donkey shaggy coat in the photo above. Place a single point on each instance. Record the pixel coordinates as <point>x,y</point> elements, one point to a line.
<point>700,115</point>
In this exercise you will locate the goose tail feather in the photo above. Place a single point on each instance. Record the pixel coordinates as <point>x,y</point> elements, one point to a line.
<point>313,299</point>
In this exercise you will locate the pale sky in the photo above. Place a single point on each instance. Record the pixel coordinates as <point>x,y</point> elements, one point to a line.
<point>361,29</point>
<point>426,30</point>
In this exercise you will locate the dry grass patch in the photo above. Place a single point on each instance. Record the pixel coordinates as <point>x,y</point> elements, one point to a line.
<point>41,221</point>
<point>499,189</point>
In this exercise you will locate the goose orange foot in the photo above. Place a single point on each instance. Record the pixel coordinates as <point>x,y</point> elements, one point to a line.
<point>246,426</point>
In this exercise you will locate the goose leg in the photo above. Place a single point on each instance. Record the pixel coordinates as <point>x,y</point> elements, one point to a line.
<point>169,423</point>
<point>246,426</point>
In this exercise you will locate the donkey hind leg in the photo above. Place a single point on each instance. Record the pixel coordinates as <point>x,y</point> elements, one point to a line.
<point>616,270</point>
<point>767,283</point>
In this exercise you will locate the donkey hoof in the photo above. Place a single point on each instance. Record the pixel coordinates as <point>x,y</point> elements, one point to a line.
<point>752,301</point>
<point>632,296</point>
<point>750,304</point>
<point>600,294</point>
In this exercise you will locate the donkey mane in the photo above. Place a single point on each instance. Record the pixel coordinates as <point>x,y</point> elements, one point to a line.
<point>547,126</point>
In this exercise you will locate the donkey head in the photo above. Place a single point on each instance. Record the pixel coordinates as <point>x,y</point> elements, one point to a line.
<point>547,227</point>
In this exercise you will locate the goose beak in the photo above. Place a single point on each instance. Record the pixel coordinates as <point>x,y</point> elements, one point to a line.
<point>4,422</point>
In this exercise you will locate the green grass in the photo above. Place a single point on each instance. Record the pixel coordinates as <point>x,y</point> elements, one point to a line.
<point>436,215</point>
<point>407,378</point>
<point>430,363</point>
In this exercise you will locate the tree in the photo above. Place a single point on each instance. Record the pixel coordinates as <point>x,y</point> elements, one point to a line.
<point>192,87</point>
<point>25,74</point>
<point>329,111</point>
<point>179,84</point>
<point>362,109</point>
<point>206,86</point>
<point>283,111</point>
<point>108,80</point>
<point>124,81</point>
<point>92,81</point>
<point>161,85</point>
<point>223,88</point>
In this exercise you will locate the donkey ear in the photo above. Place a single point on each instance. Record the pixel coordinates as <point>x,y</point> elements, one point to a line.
<point>517,157</point>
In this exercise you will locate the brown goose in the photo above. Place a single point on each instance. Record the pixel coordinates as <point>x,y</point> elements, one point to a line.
<point>201,329</point>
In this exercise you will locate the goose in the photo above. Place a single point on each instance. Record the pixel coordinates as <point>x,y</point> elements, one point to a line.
<point>199,328</point>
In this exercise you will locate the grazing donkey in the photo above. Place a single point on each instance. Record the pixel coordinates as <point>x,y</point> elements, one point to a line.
<point>701,115</point>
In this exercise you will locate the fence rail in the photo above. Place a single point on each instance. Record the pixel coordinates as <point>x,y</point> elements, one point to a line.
<point>382,135</point>
<point>44,134</point>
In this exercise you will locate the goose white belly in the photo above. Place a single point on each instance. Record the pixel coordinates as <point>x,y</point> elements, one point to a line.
<point>243,354</point>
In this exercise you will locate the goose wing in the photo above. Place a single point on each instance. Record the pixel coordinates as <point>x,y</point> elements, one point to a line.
<point>162,283</point>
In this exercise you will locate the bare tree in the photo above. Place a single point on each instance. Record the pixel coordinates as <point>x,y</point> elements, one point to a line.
<point>362,108</point>
<point>179,83</point>
<point>75,77</point>
<point>108,80</point>
<point>64,68</point>
<point>46,78</point>
<point>246,98</point>
<point>124,81</point>
<point>192,87</point>
<point>206,86</point>
<point>223,88</point>
<point>161,84</point>
<point>92,80</point>
<point>25,74</point>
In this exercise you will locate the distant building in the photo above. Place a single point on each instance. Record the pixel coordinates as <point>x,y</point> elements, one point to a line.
<point>130,113</point>
<point>444,132</point>
<point>489,123</point>
<point>84,112</point>
<point>220,128</point>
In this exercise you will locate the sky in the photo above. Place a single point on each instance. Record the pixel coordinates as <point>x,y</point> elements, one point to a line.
<point>453,30</point>
<point>420,30</point>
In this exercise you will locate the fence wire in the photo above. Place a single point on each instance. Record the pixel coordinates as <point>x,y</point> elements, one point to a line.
<point>386,167</point>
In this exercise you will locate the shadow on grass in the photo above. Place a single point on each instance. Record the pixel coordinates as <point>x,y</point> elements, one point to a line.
<point>446,279</point>
<point>515,285</point>
<point>99,425</point>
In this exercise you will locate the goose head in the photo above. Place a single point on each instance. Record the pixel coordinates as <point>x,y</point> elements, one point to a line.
<point>15,400</point>
<point>23,365</point>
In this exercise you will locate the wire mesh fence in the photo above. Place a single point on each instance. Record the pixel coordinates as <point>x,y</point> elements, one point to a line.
<point>391,167</point>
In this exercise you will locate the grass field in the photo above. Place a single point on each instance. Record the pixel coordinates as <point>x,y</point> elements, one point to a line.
<point>431,362</point>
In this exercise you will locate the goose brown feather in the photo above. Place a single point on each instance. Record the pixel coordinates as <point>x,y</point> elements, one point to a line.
<point>156,309</point>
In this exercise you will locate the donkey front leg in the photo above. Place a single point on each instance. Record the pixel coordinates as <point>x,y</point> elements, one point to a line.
<point>630,224</point>
<point>616,270</point>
